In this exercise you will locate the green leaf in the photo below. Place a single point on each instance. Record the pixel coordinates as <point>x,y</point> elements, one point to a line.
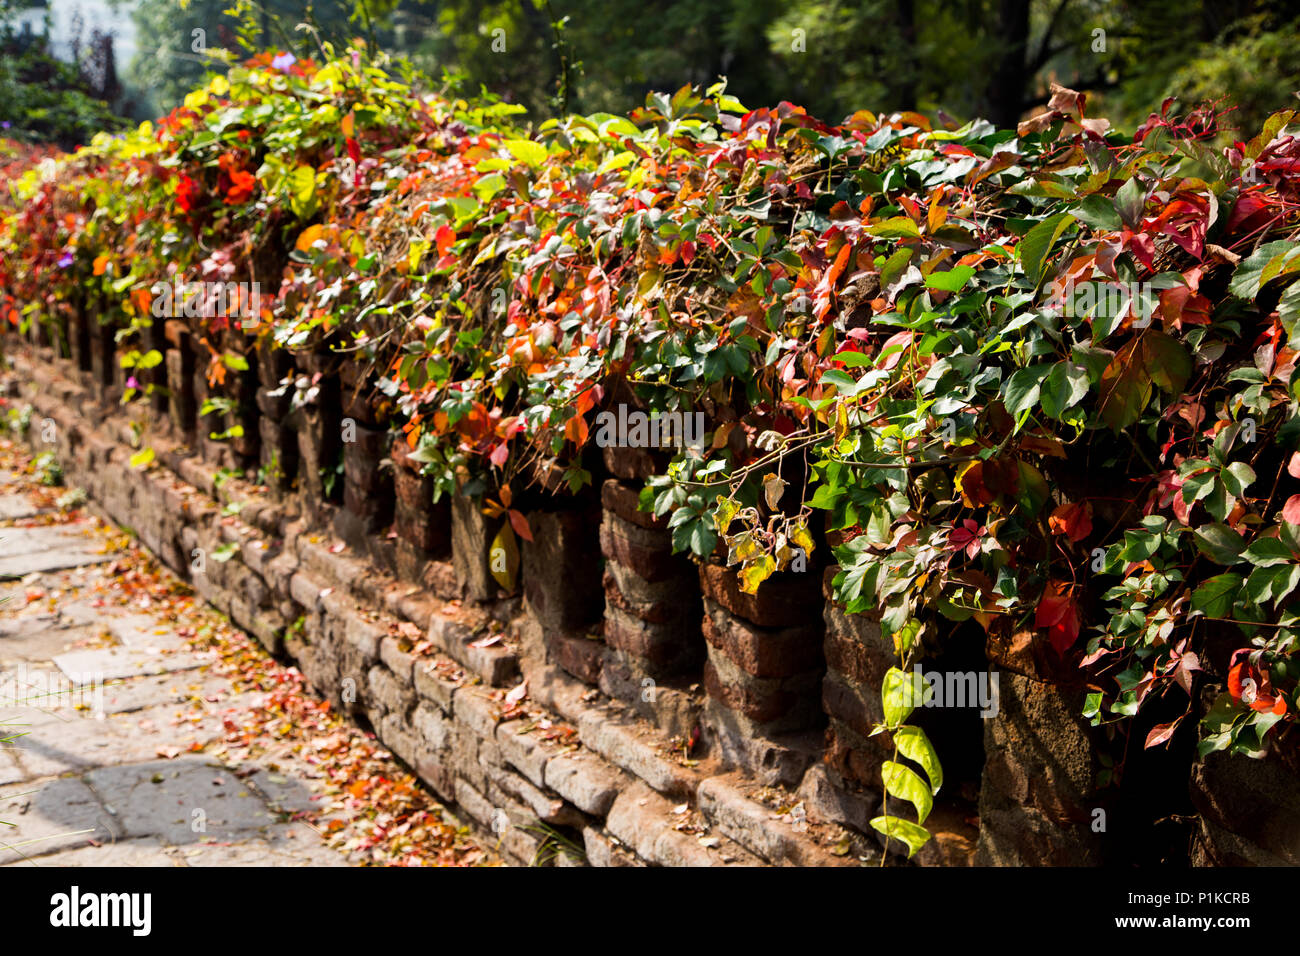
<point>853,359</point>
<point>913,744</point>
<point>899,227</point>
<point>302,191</point>
<point>526,151</point>
<point>1037,243</point>
<point>1129,202</point>
<point>1064,387</point>
<point>952,280</point>
<point>1099,212</point>
<point>1237,477</point>
<point>1266,552</point>
<point>913,836</point>
<point>1259,267</point>
<point>1022,388</point>
<point>1220,543</point>
<point>1216,596</point>
<point>903,783</point>
<point>1166,361</point>
<point>142,458</point>
<point>901,693</point>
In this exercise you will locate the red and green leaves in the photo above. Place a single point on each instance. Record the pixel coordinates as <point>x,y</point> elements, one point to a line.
<point>1151,360</point>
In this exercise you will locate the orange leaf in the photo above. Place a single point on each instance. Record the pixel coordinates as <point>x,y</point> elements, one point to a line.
<point>309,235</point>
<point>1073,519</point>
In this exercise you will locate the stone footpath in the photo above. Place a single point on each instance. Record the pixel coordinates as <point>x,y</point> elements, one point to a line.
<point>124,736</point>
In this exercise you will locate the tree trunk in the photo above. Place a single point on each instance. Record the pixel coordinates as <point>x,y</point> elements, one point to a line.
<point>1005,92</point>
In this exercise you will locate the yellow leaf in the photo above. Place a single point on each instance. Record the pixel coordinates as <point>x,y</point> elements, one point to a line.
<point>727,509</point>
<point>756,572</point>
<point>799,535</point>
<point>742,547</point>
<point>503,557</point>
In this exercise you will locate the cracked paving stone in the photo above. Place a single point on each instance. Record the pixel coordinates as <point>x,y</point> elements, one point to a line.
<point>39,818</point>
<point>183,801</point>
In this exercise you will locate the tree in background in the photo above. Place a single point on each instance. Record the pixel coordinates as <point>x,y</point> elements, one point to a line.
<point>991,58</point>
<point>46,100</point>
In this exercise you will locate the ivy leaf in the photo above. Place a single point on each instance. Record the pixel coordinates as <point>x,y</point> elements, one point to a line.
<point>900,694</point>
<point>1166,361</point>
<point>1098,212</point>
<point>1258,268</point>
<point>755,572</point>
<point>1064,387</point>
<point>1023,387</point>
<point>913,744</point>
<point>909,833</point>
<point>1038,242</point>
<point>503,557</point>
<point>726,510</point>
<point>903,783</point>
<point>1266,552</point>
<point>951,281</point>
<point>526,151</point>
<point>302,191</point>
<point>1125,389</point>
<point>773,489</point>
<point>1216,596</point>
<point>1219,543</point>
<point>1237,477</point>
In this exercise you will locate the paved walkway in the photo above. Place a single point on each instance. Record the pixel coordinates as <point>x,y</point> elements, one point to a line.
<point>149,732</point>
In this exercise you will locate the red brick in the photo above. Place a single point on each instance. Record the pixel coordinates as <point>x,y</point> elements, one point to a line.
<point>647,552</point>
<point>759,651</point>
<point>666,649</point>
<point>623,500</point>
<point>758,702</point>
<point>787,599</point>
<point>580,656</point>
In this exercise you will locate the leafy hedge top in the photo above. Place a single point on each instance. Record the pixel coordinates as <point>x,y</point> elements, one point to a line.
<point>900,327</point>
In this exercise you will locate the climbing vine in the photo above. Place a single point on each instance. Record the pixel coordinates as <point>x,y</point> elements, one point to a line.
<point>1041,379</point>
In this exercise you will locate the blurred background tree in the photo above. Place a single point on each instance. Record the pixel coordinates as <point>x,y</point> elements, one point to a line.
<point>958,58</point>
<point>45,99</point>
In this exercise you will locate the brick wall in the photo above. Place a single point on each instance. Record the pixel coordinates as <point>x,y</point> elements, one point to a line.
<point>621,706</point>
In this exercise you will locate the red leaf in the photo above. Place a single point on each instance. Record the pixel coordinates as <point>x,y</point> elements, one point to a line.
<point>444,239</point>
<point>1291,510</point>
<point>1160,734</point>
<point>1059,615</point>
<point>520,524</point>
<point>1293,466</point>
<point>1073,519</point>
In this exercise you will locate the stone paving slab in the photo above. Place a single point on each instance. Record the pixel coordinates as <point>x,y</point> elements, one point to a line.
<point>16,507</point>
<point>125,853</point>
<point>27,550</point>
<point>43,817</point>
<point>113,663</point>
<point>42,642</point>
<point>103,773</point>
<point>182,801</point>
<point>143,633</point>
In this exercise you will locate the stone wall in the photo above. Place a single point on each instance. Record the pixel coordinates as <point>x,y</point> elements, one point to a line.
<point>621,706</point>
